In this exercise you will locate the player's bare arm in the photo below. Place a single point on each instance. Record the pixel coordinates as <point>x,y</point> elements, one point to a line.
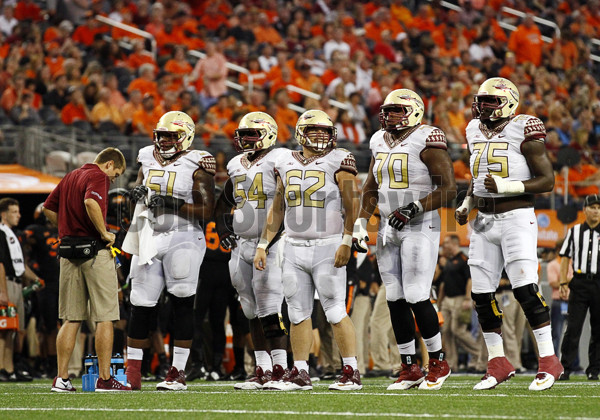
<point>462,212</point>
<point>271,227</point>
<point>203,194</point>
<point>350,200</point>
<point>442,175</point>
<point>368,203</point>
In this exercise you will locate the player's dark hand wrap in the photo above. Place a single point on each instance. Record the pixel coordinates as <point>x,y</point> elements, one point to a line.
<point>165,201</point>
<point>402,215</point>
<point>229,240</point>
<point>138,192</point>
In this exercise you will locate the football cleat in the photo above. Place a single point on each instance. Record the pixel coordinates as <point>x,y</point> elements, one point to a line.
<point>550,370</point>
<point>175,381</point>
<point>348,381</point>
<point>293,380</point>
<point>257,381</point>
<point>134,374</point>
<point>276,376</point>
<point>438,373</point>
<point>410,376</point>
<point>110,385</point>
<point>499,370</point>
<point>62,386</point>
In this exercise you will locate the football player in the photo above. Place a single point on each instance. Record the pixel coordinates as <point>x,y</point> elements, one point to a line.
<point>250,190</point>
<point>182,192</point>
<point>509,165</point>
<point>410,177</point>
<point>315,186</point>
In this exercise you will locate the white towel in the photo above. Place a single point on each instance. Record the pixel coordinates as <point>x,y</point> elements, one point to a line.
<point>139,239</point>
<point>14,248</point>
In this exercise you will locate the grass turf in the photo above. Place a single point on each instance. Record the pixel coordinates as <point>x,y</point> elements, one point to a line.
<point>574,399</point>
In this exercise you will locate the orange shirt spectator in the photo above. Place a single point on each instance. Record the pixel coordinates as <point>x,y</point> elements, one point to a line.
<point>265,33</point>
<point>144,120</point>
<point>584,173</point>
<point>221,110</point>
<point>461,170</point>
<point>75,109</point>
<point>85,34</point>
<point>526,42</point>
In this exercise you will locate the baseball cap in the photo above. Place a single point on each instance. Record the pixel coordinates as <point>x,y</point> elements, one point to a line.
<point>591,199</point>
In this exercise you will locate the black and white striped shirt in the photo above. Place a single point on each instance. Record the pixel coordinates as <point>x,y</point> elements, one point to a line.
<point>582,246</point>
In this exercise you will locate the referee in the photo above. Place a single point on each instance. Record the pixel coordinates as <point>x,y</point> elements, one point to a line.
<point>583,291</point>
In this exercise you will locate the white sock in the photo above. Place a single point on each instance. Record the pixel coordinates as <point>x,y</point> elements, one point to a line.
<point>350,361</point>
<point>279,357</point>
<point>134,353</point>
<point>494,344</point>
<point>434,343</point>
<point>301,364</point>
<point>407,348</point>
<point>543,336</point>
<point>180,357</point>
<point>263,360</point>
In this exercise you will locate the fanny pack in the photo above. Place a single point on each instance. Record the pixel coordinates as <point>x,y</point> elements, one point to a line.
<point>72,247</point>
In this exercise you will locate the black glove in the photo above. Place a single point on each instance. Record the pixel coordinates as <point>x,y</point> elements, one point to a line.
<point>165,201</point>
<point>229,240</point>
<point>140,191</point>
<point>402,215</point>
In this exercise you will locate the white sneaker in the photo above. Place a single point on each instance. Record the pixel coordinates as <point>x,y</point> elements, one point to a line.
<point>62,386</point>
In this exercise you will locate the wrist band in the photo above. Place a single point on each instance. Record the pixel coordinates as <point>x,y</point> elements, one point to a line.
<point>347,240</point>
<point>419,206</point>
<point>263,244</point>
<point>564,284</point>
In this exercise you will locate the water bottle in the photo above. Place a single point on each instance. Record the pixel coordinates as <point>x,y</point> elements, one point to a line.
<point>117,367</point>
<point>11,311</point>
<point>33,287</point>
<point>88,380</point>
<point>3,311</point>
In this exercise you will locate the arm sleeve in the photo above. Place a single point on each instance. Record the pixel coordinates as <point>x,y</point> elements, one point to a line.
<point>436,139</point>
<point>208,164</point>
<point>51,202</point>
<point>534,130</point>
<point>97,189</point>
<point>349,164</point>
<point>567,248</point>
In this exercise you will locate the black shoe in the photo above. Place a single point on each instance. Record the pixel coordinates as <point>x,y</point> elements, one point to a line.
<point>23,376</point>
<point>197,371</point>
<point>327,376</point>
<point>566,376</point>
<point>315,373</point>
<point>378,373</point>
<point>236,375</point>
<point>592,376</point>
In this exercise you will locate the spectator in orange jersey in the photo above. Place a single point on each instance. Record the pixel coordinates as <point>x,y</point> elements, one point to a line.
<point>232,125</point>
<point>306,79</point>
<point>12,94</point>
<point>157,18</point>
<point>282,82</point>
<point>400,12</point>
<point>585,178</point>
<point>423,20</point>
<point>221,110</point>
<point>265,33</point>
<point>146,82</point>
<point>139,56</point>
<point>84,34</point>
<point>284,132</point>
<point>58,33</point>
<point>563,52</point>
<point>496,30</point>
<point>526,42</point>
<point>167,38</point>
<point>209,129</point>
<point>212,17</point>
<point>118,33</point>
<point>170,101</point>
<point>133,105</point>
<point>510,65</point>
<point>259,77</point>
<point>284,115</point>
<point>144,120</point>
<point>256,101</point>
<point>53,59</point>
<point>187,28</point>
<point>75,109</point>
<point>178,66</point>
<point>212,70</point>
<point>105,111</point>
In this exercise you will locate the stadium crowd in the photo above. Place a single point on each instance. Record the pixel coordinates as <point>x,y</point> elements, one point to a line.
<point>60,65</point>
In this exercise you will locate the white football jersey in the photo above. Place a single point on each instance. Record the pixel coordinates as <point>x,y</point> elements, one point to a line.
<point>401,175</point>
<point>312,196</point>
<point>499,152</point>
<point>254,186</point>
<point>175,177</point>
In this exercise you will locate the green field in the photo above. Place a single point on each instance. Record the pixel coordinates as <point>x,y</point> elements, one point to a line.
<point>574,399</point>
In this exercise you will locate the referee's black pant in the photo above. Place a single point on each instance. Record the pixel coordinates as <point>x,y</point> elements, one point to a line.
<point>584,295</point>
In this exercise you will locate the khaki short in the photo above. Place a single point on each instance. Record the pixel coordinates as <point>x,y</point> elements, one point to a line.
<point>15,296</point>
<point>94,280</point>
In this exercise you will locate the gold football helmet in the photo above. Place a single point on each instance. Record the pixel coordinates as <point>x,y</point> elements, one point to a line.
<point>256,131</point>
<point>496,98</point>
<point>174,133</point>
<point>315,129</point>
<point>401,108</point>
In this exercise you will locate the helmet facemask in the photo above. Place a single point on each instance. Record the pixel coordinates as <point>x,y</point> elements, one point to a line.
<point>256,131</point>
<point>317,137</point>
<point>169,143</point>
<point>248,140</point>
<point>394,117</point>
<point>488,107</point>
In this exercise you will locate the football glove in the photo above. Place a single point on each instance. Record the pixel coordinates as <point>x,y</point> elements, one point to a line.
<point>165,201</point>
<point>229,240</point>
<point>360,235</point>
<point>138,192</point>
<point>402,215</point>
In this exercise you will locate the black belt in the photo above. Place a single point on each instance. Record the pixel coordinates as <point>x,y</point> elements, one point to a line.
<point>488,204</point>
<point>587,276</point>
<point>15,279</point>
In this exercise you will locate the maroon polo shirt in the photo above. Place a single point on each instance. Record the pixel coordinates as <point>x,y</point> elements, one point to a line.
<point>68,197</point>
